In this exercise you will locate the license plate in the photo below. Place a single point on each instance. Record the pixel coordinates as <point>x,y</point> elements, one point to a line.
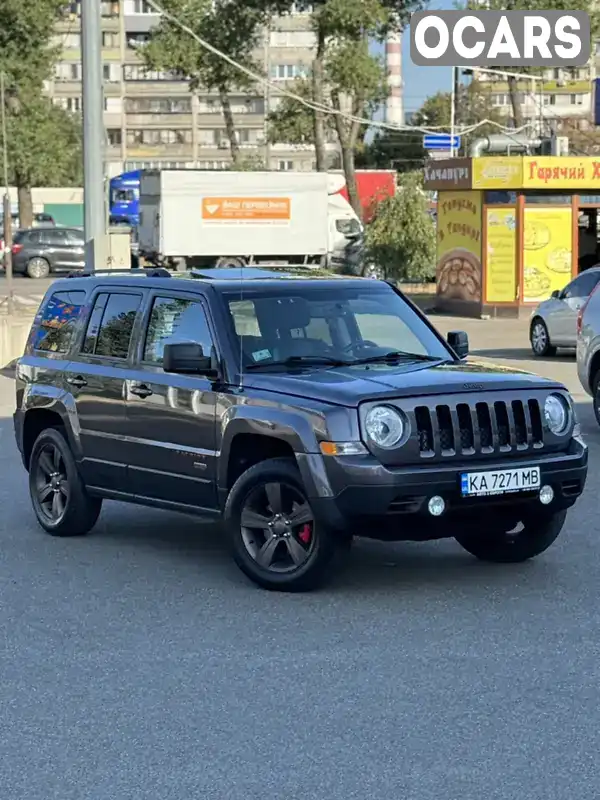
<point>505,481</point>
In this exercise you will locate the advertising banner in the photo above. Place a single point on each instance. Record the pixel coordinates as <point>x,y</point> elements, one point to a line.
<point>547,252</point>
<point>459,246</point>
<point>501,255</point>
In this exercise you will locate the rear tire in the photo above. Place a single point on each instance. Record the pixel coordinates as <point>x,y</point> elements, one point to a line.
<point>596,396</point>
<point>501,547</point>
<point>60,500</point>
<point>540,339</point>
<point>37,268</point>
<point>275,539</point>
<point>230,262</point>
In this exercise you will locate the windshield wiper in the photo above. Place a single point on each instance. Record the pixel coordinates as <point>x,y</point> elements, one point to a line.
<point>295,361</point>
<point>396,355</point>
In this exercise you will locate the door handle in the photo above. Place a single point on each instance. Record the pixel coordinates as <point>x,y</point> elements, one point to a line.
<point>141,390</point>
<point>78,381</point>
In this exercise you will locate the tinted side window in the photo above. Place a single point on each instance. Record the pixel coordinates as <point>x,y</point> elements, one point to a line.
<point>54,237</point>
<point>111,324</point>
<point>75,237</point>
<point>58,322</point>
<point>33,237</point>
<point>174,320</point>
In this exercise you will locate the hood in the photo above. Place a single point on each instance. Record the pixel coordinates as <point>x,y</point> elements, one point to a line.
<point>349,386</point>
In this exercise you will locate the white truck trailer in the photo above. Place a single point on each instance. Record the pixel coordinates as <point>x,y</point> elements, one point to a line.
<point>195,218</point>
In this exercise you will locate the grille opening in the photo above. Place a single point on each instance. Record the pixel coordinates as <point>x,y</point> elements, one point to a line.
<point>405,505</point>
<point>536,422</point>
<point>444,419</point>
<point>503,425</point>
<point>520,422</point>
<point>484,423</point>
<point>424,428</point>
<point>465,423</point>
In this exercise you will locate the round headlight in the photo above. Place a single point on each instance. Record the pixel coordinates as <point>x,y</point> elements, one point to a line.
<point>385,426</point>
<point>556,414</point>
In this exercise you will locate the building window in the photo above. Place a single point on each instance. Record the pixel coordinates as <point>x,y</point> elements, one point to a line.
<point>136,72</point>
<point>114,136</point>
<point>301,7</point>
<point>292,39</point>
<point>138,7</point>
<point>159,137</point>
<point>110,39</point>
<point>135,40</point>
<point>286,72</point>
<point>552,99</point>
<point>285,166</point>
<point>68,72</point>
<point>557,74</point>
<point>110,73</point>
<point>107,8</point>
<point>113,105</point>
<point>158,105</point>
<point>67,41</point>
<point>207,137</point>
<point>576,99</point>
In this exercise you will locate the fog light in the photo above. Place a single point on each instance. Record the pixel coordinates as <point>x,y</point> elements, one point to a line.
<point>436,506</point>
<point>546,495</point>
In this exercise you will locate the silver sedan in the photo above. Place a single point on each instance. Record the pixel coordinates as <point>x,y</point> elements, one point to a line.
<point>554,322</point>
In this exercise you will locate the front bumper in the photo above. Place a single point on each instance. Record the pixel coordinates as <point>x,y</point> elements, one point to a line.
<point>392,504</point>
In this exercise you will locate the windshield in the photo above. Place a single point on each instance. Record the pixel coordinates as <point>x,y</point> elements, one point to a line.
<point>342,325</point>
<point>124,195</point>
<point>349,226</point>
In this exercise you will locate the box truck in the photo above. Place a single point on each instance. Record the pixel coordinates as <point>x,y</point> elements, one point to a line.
<point>195,218</point>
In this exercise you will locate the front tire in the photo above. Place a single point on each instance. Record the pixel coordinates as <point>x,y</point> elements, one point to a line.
<point>540,339</point>
<point>503,547</point>
<point>60,500</point>
<point>275,539</point>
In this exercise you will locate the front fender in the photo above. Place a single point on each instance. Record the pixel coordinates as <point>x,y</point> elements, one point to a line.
<point>293,428</point>
<point>38,398</point>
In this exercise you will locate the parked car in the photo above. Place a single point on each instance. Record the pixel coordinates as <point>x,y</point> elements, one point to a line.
<point>301,410</point>
<point>588,348</point>
<point>40,220</point>
<point>554,322</point>
<point>37,252</point>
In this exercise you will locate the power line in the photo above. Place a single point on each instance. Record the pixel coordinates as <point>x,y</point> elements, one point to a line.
<point>322,108</point>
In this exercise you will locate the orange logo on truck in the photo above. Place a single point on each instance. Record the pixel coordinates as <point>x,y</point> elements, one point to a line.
<point>246,209</point>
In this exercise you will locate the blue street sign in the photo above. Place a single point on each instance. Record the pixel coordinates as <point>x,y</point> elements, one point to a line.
<point>441,141</point>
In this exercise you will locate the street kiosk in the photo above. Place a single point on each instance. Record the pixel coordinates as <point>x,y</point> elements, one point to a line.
<point>512,230</point>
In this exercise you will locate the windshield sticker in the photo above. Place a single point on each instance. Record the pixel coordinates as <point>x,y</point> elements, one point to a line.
<point>261,355</point>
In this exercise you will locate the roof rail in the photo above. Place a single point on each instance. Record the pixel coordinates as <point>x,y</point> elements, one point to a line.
<point>150,272</point>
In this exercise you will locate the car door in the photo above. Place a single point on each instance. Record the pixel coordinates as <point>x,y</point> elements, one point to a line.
<point>96,379</point>
<point>573,296</point>
<point>56,247</point>
<point>75,254</point>
<point>171,419</point>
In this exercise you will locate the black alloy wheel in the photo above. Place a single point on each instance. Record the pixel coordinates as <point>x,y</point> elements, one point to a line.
<point>60,500</point>
<point>275,538</point>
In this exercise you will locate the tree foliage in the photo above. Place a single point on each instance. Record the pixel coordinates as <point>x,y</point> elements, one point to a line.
<point>400,241</point>
<point>404,151</point>
<point>233,28</point>
<point>42,141</point>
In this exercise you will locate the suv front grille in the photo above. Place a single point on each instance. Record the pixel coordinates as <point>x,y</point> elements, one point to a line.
<point>479,428</point>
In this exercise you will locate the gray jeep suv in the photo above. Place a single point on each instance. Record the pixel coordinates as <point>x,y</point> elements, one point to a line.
<point>301,409</point>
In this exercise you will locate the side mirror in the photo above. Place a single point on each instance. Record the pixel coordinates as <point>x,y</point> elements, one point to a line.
<point>187,358</point>
<point>555,294</point>
<point>459,342</point>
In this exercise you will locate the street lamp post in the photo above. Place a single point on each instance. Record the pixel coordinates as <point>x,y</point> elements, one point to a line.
<point>93,135</point>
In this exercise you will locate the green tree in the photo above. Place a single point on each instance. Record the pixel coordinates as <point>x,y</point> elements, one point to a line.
<point>400,241</point>
<point>232,27</point>
<point>44,149</point>
<point>27,58</point>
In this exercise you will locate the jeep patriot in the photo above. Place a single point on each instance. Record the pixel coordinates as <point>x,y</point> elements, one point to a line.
<point>302,408</point>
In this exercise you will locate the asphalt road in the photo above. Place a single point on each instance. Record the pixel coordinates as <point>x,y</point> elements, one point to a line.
<point>139,664</point>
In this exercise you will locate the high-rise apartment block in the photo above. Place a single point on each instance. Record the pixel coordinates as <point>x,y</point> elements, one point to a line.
<point>152,120</point>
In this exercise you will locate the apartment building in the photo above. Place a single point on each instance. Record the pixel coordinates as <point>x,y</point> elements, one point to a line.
<point>152,120</point>
<point>563,99</point>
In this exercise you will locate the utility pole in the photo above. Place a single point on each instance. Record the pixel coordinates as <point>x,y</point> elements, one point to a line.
<point>93,136</point>
<point>8,271</point>
<point>453,110</point>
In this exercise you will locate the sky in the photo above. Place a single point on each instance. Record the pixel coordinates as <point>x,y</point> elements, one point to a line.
<point>421,82</point>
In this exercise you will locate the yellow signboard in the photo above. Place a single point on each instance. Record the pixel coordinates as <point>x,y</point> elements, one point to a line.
<point>547,251</point>
<point>561,174</point>
<point>497,172</point>
<point>501,256</point>
<point>459,246</point>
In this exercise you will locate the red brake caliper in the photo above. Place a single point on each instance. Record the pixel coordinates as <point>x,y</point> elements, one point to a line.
<point>305,534</point>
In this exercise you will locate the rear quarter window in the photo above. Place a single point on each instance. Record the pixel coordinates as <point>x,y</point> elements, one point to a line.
<point>56,324</point>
